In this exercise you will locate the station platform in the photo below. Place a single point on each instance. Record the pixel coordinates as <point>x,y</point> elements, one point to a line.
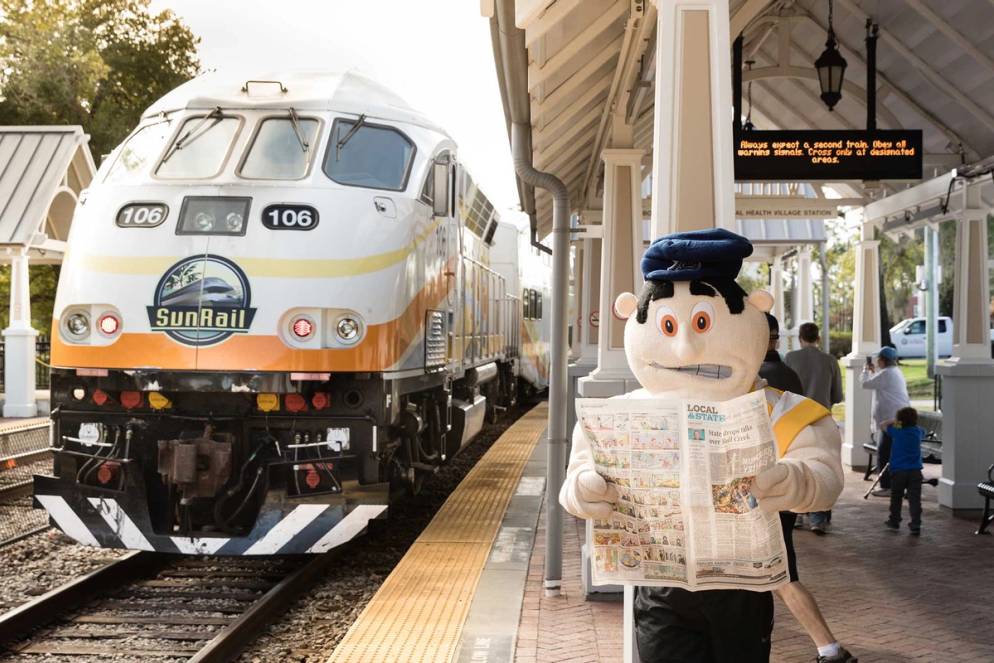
<point>470,590</point>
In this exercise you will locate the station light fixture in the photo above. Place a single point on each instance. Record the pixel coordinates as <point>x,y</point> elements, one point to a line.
<point>749,126</point>
<point>831,67</point>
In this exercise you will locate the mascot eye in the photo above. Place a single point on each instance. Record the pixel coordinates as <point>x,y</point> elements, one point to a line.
<point>701,317</point>
<point>666,321</point>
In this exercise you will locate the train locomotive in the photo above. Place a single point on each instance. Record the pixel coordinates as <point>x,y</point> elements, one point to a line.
<point>284,304</point>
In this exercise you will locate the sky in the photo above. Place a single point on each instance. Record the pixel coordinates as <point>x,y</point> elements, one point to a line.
<point>436,54</point>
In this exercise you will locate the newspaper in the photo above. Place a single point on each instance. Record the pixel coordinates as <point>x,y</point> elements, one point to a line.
<point>684,515</point>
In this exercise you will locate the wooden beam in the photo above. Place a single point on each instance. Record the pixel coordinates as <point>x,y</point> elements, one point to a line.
<point>549,140</point>
<point>929,72</point>
<point>526,11</point>
<point>899,92</point>
<point>593,95</point>
<point>607,54</point>
<point>552,17</point>
<point>749,10</point>
<point>538,75</point>
<point>943,26</point>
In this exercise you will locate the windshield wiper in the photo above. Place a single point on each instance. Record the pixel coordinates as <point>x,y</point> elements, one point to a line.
<point>295,122</point>
<point>181,142</point>
<point>348,136</point>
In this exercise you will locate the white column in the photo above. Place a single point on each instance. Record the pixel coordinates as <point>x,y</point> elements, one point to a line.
<point>968,376</point>
<point>804,306</point>
<point>692,170</point>
<point>19,340</point>
<point>776,289</point>
<point>865,342</point>
<point>590,301</point>
<point>621,240</point>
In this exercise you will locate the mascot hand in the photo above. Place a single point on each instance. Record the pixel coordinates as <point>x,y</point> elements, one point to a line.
<point>590,496</point>
<point>779,488</point>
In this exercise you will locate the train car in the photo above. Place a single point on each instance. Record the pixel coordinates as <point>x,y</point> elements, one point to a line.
<point>285,302</point>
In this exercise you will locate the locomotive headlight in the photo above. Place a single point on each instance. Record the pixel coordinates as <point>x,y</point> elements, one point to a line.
<point>213,215</point>
<point>204,221</point>
<point>234,222</point>
<point>78,324</point>
<point>348,329</point>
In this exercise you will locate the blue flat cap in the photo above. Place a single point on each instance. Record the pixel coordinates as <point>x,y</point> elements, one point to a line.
<point>888,353</point>
<point>698,255</point>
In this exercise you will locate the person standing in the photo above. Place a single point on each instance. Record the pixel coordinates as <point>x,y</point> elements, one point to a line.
<point>890,394</point>
<point>822,382</point>
<point>794,594</point>
<point>905,468</point>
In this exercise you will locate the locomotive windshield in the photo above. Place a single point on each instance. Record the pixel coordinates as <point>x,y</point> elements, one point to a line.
<point>200,148</point>
<point>374,156</point>
<point>281,151</point>
<point>144,146</point>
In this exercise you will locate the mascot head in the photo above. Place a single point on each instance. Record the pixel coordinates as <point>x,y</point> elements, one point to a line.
<point>693,332</point>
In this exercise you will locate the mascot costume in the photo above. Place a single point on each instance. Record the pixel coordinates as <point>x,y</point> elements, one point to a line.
<point>694,333</point>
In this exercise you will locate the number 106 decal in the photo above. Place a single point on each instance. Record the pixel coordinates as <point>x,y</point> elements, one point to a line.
<point>142,215</point>
<point>289,217</point>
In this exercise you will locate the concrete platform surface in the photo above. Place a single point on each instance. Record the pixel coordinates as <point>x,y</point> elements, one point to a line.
<point>889,597</point>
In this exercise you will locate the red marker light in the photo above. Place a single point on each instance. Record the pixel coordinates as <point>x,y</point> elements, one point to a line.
<point>131,399</point>
<point>295,403</point>
<point>109,324</point>
<point>99,396</point>
<point>302,328</point>
<point>312,479</point>
<point>107,472</point>
<point>320,400</point>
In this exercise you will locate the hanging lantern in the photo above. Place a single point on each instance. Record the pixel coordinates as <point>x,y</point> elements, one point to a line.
<point>831,67</point>
<point>749,126</point>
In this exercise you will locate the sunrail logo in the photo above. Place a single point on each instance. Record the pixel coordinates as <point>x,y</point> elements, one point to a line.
<point>202,300</point>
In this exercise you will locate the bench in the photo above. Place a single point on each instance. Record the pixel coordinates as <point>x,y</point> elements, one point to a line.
<point>986,490</point>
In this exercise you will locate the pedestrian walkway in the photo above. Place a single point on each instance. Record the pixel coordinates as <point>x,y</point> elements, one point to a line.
<point>889,597</point>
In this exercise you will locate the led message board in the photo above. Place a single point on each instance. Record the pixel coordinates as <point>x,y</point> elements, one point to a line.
<point>828,155</point>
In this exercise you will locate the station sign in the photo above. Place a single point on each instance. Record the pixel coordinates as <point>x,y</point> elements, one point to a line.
<point>834,156</point>
<point>787,207</point>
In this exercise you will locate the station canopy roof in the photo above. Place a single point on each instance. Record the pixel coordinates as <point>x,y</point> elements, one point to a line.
<point>582,59</point>
<point>42,172</point>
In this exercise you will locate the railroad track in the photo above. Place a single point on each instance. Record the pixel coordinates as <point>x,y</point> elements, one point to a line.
<point>157,607</point>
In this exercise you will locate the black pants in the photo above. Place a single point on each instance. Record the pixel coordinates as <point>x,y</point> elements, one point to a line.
<point>717,626</point>
<point>883,457</point>
<point>910,481</point>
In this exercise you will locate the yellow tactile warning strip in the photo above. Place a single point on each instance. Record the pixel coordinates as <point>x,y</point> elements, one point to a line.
<point>418,613</point>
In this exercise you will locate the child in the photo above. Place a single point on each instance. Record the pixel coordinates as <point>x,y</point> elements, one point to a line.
<point>905,467</point>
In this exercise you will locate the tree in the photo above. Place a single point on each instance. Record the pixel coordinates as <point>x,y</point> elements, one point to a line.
<point>94,63</point>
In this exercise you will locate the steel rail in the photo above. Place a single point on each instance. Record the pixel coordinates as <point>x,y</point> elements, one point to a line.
<point>48,607</point>
<point>232,639</point>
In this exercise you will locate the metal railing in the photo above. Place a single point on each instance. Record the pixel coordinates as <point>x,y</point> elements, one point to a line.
<point>23,452</point>
<point>43,358</point>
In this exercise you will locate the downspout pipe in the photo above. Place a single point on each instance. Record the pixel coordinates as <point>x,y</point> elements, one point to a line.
<point>556,470</point>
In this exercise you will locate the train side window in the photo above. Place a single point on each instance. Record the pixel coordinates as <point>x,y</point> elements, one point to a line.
<point>280,150</point>
<point>368,155</point>
<point>429,184</point>
<point>525,305</point>
<point>538,306</point>
<point>200,148</point>
<point>139,151</point>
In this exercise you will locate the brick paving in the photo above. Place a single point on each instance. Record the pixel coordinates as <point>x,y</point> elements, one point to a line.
<point>889,597</point>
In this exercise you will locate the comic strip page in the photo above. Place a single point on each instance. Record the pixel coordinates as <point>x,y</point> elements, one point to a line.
<point>684,515</point>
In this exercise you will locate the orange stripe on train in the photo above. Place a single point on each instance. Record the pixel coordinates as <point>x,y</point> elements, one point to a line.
<point>384,345</point>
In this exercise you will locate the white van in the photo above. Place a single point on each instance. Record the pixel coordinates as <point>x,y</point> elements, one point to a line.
<point>908,336</point>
